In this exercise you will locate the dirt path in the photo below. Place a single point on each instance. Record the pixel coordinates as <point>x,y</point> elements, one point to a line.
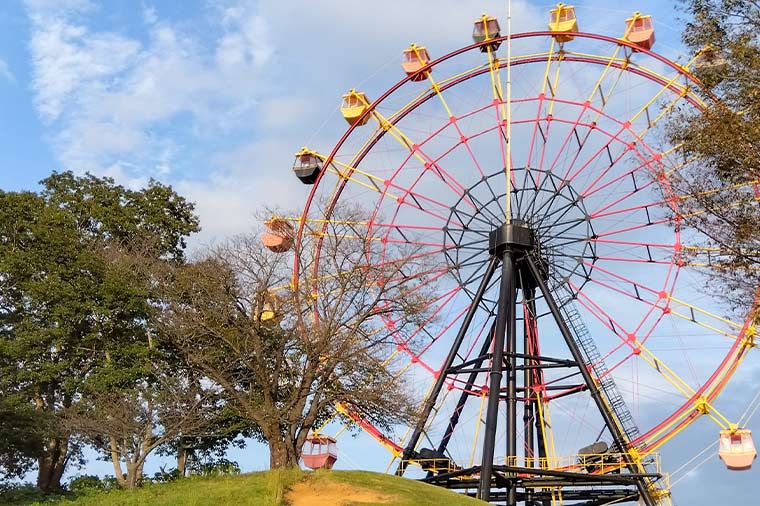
<point>308,493</point>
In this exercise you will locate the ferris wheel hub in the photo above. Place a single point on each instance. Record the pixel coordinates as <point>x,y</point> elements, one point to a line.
<point>517,236</point>
<point>518,240</point>
<point>550,222</point>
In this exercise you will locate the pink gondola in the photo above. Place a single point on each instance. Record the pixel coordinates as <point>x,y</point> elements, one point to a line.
<point>319,452</point>
<point>279,237</point>
<point>640,30</point>
<point>414,59</point>
<point>737,450</point>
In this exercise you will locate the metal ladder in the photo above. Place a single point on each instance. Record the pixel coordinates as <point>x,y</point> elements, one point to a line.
<point>610,393</point>
<point>593,360</point>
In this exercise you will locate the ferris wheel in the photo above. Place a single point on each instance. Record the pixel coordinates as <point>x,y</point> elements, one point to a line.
<point>571,337</point>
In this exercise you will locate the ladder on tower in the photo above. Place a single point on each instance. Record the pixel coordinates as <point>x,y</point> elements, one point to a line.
<point>593,360</point>
<point>610,393</point>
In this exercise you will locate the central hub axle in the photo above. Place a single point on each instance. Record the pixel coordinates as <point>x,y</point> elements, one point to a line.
<point>517,240</point>
<point>516,236</point>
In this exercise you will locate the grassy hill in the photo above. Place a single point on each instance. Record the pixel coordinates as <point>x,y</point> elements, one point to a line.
<point>294,488</point>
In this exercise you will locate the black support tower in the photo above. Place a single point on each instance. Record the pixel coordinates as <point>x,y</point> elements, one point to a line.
<point>518,479</point>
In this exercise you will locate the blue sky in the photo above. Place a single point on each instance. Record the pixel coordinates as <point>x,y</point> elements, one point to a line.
<point>214,97</point>
<point>211,96</point>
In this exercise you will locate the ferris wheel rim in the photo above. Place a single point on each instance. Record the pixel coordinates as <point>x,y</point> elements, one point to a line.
<point>719,377</point>
<point>542,33</point>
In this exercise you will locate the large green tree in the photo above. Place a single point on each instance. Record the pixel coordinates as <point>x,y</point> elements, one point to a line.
<point>21,430</point>
<point>722,143</point>
<point>71,319</point>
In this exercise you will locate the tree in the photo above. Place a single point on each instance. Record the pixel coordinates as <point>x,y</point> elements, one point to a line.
<point>68,317</point>
<point>136,402</point>
<point>326,343</point>
<point>203,449</point>
<point>129,424</point>
<point>722,143</point>
<point>21,434</point>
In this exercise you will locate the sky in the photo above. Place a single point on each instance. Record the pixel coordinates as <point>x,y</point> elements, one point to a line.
<point>214,97</point>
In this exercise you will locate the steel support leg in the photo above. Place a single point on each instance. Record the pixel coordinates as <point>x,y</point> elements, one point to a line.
<point>430,401</point>
<point>609,418</point>
<point>454,420</point>
<point>505,314</point>
<point>528,413</point>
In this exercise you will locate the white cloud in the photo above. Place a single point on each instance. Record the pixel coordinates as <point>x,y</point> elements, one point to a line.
<point>134,108</point>
<point>110,96</point>
<point>223,209</point>
<point>150,15</point>
<point>219,103</point>
<point>68,58</point>
<point>245,42</point>
<point>5,72</point>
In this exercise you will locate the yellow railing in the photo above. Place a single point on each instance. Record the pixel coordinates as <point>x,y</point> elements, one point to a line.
<point>590,463</point>
<point>436,466</point>
<point>602,462</point>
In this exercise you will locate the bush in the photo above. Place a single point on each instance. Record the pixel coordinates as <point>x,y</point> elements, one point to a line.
<point>220,467</point>
<point>85,483</point>
<point>21,494</point>
<point>88,483</point>
<point>164,476</point>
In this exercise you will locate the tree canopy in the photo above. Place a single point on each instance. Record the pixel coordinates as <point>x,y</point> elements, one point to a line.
<point>323,342</point>
<point>73,321</point>
<point>722,143</point>
<point>110,337</point>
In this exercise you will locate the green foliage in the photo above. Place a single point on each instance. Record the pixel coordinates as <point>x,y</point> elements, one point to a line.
<point>21,431</point>
<point>25,494</point>
<point>104,210</point>
<point>74,312</point>
<point>267,489</point>
<point>90,483</point>
<point>164,476</point>
<point>220,467</point>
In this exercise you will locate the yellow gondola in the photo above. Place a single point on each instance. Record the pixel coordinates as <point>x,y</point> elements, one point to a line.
<point>562,20</point>
<point>354,104</point>
<point>271,308</point>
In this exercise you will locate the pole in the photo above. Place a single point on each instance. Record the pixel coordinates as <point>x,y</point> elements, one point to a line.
<point>509,113</point>
<point>512,392</point>
<point>504,315</point>
<point>528,414</point>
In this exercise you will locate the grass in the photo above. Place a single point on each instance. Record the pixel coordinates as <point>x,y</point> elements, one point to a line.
<point>267,489</point>
<point>407,492</point>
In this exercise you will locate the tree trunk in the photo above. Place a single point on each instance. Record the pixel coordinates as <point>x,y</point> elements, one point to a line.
<point>181,458</point>
<point>51,464</point>
<point>118,473</point>
<point>134,475</point>
<point>282,454</point>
